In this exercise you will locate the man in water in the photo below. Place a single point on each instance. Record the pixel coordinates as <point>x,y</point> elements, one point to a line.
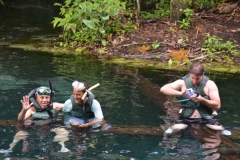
<point>82,112</point>
<point>41,106</point>
<point>201,104</point>
<point>38,105</point>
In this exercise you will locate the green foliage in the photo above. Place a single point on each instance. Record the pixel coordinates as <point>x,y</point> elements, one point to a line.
<point>184,40</point>
<point>188,13</point>
<point>156,45</point>
<point>186,22</point>
<point>91,22</point>
<point>170,61</point>
<point>171,29</point>
<point>1,2</point>
<point>204,3</point>
<point>214,45</point>
<point>162,9</point>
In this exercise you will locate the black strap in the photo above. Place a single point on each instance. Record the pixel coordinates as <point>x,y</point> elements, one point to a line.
<point>51,101</point>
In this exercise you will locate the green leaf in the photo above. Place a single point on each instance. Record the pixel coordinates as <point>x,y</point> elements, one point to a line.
<point>57,4</point>
<point>105,18</point>
<point>113,12</point>
<point>88,23</point>
<point>71,26</point>
<point>102,30</point>
<point>56,21</point>
<point>82,6</point>
<point>89,11</point>
<point>80,49</point>
<point>104,42</point>
<point>2,3</point>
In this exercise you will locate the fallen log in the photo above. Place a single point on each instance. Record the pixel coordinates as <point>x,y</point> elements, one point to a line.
<point>135,130</point>
<point>223,145</point>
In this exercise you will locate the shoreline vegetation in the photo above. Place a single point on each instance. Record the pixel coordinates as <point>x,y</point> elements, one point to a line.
<point>157,43</point>
<point>132,63</point>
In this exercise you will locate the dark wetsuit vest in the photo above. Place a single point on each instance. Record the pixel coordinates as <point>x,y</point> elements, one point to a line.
<point>190,106</point>
<point>80,112</point>
<point>41,113</point>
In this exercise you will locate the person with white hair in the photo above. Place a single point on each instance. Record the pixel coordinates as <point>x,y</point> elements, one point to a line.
<point>82,111</point>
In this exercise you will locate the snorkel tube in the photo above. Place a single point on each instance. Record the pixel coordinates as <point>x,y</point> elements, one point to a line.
<point>51,101</point>
<point>88,91</point>
<point>51,94</point>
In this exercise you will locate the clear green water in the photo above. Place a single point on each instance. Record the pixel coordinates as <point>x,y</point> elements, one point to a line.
<point>122,99</point>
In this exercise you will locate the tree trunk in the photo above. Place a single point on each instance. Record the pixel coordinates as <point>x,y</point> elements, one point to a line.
<point>176,9</point>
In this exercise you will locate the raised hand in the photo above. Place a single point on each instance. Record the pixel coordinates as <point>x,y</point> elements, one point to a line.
<point>25,103</point>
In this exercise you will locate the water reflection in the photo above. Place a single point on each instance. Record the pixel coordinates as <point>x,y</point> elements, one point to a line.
<point>23,134</point>
<point>195,142</point>
<point>28,133</point>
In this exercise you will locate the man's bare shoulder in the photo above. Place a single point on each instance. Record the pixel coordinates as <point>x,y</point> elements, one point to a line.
<point>210,83</point>
<point>179,82</point>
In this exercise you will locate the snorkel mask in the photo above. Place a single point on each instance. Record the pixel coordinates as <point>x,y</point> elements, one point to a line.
<point>43,91</point>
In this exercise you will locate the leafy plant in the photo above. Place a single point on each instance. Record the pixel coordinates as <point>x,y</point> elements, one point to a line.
<point>185,23</point>
<point>188,13</point>
<point>214,45</point>
<point>161,9</point>
<point>203,3</point>
<point>156,45</point>
<point>171,29</point>
<point>91,22</point>
<point>170,61</point>
<point>184,40</point>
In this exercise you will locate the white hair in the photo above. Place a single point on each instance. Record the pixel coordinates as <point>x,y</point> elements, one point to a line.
<point>78,85</point>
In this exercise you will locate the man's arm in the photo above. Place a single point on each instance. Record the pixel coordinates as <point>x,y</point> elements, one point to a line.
<point>212,92</point>
<point>176,88</point>
<point>58,106</point>
<point>21,115</point>
<point>91,123</point>
<point>24,114</point>
<point>96,109</point>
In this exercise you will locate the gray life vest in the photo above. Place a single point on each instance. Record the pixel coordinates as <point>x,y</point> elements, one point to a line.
<point>190,106</point>
<point>82,112</point>
<point>40,112</point>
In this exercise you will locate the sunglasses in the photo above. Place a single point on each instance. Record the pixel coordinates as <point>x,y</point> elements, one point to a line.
<point>43,91</point>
